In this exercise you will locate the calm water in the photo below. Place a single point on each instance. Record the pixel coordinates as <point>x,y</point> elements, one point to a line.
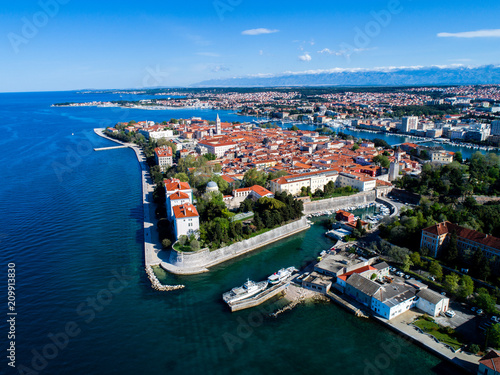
<point>71,219</point>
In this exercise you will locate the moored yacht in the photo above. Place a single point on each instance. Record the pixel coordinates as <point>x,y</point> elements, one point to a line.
<point>249,289</point>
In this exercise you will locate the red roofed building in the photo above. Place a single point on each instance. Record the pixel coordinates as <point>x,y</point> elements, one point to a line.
<point>186,219</point>
<point>436,237</point>
<point>163,156</point>
<point>344,216</point>
<point>489,364</point>
<point>218,148</point>
<point>176,199</point>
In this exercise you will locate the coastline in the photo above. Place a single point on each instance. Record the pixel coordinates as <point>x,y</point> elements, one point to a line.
<point>152,246</point>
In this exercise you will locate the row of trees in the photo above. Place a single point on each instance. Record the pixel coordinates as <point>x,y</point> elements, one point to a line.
<point>480,175</point>
<point>328,191</point>
<point>218,230</point>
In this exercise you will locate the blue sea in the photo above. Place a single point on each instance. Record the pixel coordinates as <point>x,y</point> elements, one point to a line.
<point>71,227</point>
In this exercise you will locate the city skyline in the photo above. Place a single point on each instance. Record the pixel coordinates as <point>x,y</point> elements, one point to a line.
<point>73,45</point>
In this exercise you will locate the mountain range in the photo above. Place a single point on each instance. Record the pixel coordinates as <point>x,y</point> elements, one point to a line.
<point>392,76</point>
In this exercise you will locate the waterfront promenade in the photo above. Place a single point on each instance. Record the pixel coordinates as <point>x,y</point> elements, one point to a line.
<point>152,246</point>
<point>402,325</point>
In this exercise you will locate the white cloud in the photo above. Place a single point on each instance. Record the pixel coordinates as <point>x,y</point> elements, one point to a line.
<point>305,57</point>
<point>492,33</point>
<point>220,68</point>
<point>261,52</point>
<point>208,54</point>
<point>345,52</point>
<point>259,31</point>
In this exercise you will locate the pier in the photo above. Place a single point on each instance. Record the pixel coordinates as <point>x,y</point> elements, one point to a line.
<point>259,298</point>
<point>109,148</point>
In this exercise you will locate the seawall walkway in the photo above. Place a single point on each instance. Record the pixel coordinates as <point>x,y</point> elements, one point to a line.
<point>152,246</point>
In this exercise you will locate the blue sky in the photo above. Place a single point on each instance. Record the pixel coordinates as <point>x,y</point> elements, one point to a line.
<point>79,44</point>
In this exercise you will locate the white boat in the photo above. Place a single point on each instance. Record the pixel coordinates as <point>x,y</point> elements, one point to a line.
<point>281,275</point>
<point>249,289</point>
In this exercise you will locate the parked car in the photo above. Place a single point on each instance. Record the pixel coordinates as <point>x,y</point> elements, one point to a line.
<point>480,312</point>
<point>494,318</point>
<point>407,277</point>
<point>443,293</point>
<point>432,278</point>
<point>450,313</point>
<point>473,308</point>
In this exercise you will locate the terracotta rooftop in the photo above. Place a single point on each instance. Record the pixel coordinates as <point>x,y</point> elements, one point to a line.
<point>464,233</point>
<point>185,210</point>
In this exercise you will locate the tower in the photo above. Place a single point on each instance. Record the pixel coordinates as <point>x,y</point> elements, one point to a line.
<point>218,127</point>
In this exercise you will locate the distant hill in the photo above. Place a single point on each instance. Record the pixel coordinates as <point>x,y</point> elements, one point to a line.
<point>413,76</point>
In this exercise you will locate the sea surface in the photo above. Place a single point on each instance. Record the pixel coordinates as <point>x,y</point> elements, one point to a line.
<point>71,222</point>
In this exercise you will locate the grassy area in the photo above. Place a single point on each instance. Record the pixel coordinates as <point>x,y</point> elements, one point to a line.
<point>446,335</point>
<point>185,248</point>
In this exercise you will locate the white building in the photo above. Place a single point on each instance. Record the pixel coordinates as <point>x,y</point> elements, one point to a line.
<point>442,157</point>
<point>186,220</point>
<point>176,199</point>
<point>356,181</point>
<point>164,157</point>
<point>294,183</point>
<point>431,302</point>
<point>156,133</point>
<point>409,123</point>
<point>218,148</point>
<point>393,299</point>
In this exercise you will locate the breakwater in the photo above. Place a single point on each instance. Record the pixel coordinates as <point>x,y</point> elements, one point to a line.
<point>155,283</point>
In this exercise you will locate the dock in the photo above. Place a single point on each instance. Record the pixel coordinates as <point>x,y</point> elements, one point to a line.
<point>109,148</point>
<point>259,298</point>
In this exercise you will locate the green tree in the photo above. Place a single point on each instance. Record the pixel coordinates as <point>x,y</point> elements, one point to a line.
<point>166,243</point>
<point>195,245</point>
<point>465,287</point>
<point>294,128</point>
<point>494,335</point>
<point>182,240</point>
<point>415,259</point>
<point>485,301</point>
<point>458,157</point>
<point>255,177</point>
<point>406,263</point>
<point>436,269</point>
<point>382,161</point>
<point>182,176</point>
<point>451,250</point>
<point>355,147</point>
<point>210,156</point>
<point>451,283</point>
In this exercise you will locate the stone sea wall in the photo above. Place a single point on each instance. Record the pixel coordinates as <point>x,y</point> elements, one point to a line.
<point>206,258</point>
<point>339,202</point>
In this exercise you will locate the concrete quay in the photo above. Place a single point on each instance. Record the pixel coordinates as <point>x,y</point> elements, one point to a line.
<point>465,362</point>
<point>259,298</point>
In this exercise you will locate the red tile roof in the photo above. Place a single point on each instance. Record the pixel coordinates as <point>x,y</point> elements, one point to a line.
<point>175,184</point>
<point>185,210</point>
<point>178,195</point>
<point>491,360</point>
<point>358,270</point>
<point>465,233</point>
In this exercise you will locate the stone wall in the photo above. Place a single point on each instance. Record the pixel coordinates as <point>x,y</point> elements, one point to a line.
<point>339,202</point>
<point>206,258</point>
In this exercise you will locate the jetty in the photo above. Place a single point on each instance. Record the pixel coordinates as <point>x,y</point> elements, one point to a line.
<point>259,298</point>
<point>109,148</point>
